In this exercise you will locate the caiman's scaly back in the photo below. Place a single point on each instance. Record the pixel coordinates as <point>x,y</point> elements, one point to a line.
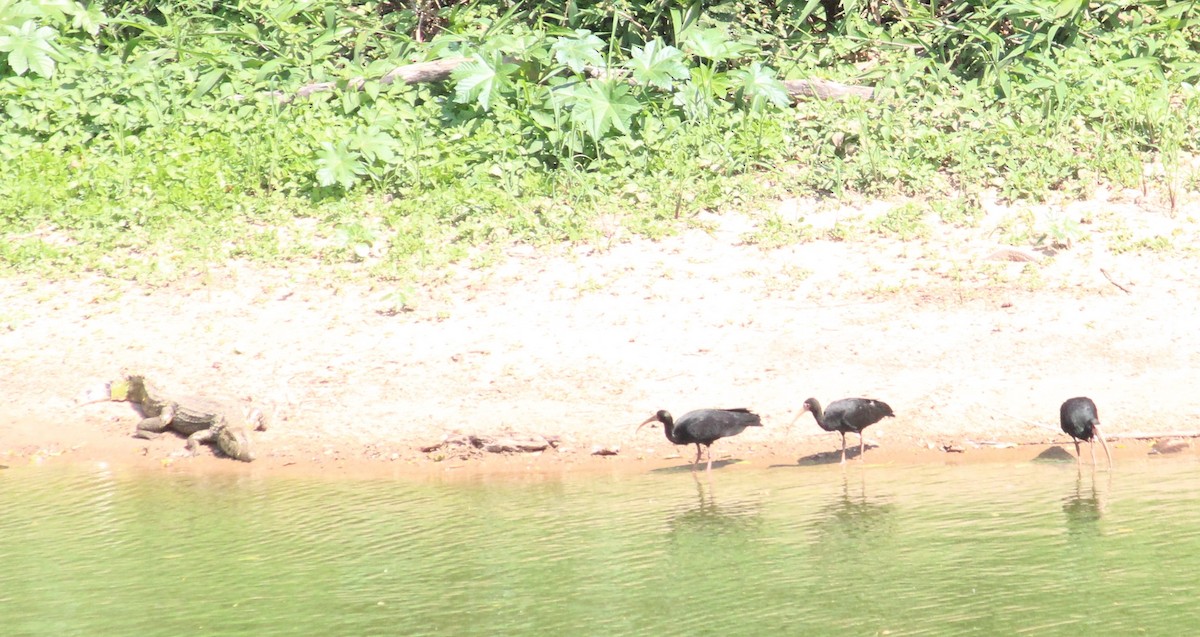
<point>201,419</point>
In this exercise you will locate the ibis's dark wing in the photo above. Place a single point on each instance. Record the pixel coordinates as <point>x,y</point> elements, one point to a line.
<point>740,410</point>
<point>1078,417</point>
<point>856,414</point>
<point>706,425</point>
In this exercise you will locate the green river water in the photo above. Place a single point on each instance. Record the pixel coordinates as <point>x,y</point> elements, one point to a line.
<point>994,549</point>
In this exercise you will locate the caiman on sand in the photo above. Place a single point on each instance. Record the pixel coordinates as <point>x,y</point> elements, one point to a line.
<point>202,420</point>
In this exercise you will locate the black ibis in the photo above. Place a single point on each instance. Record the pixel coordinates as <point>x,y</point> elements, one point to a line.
<point>1079,421</point>
<point>704,427</point>
<point>846,415</point>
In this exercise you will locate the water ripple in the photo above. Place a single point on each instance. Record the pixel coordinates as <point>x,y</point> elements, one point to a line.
<point>1039,549</point>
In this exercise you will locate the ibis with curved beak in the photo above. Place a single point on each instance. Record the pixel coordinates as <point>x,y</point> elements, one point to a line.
<point>704,427</point>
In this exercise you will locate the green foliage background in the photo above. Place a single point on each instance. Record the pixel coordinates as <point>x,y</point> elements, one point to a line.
<point>136,137</point>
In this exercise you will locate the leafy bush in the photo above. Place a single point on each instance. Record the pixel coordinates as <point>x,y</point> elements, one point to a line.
<point>29,32</point>
<point>131,125</point>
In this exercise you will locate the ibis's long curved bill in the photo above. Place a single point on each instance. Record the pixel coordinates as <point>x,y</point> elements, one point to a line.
<point>1103,443</point>
<point>646,422</point>
<point>803,410</point>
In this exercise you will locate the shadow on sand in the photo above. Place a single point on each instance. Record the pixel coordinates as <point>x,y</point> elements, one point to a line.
<point>823,457</point>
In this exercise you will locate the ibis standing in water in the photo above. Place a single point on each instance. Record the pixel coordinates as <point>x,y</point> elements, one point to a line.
<point>846,415</point>
<point>1080,421</point>
<point>704,427</point>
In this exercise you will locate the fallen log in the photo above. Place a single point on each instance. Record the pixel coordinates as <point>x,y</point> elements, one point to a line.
<point>435,71</point>
<point>827,90</point>
<point>440,71</point>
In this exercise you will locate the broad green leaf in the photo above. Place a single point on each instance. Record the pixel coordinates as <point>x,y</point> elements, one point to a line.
<point>1135,67</point>
<point>351,100</point>
<point>545,119</point>
<point>526,46</point>
<point>580,51</point>
<point>206,84</point>
<point>715,83</point>
<point>1137,63</point>
<point>698,97</point>
<point>87,18</point>
<point>657,65</point>
<point>372,89</point>
<point>13,12</point>
<point>28,48</point>
<point>682,21</point>
<point>322,51</point>
<point>338,165</point>
<point>356,237</point>
<point>695,101</point>
<point>268,69</point>
<point>601,105</point>
<point>1039,84</point>
<point>375,144</point>
<point>1175,10</point>
<point>758,86</point>
<point>1065,8</point>
<point>54,7</point>
<point>713,44</point>
<point>806,11</point>
<point>331,35</point>
<point>482,80</point>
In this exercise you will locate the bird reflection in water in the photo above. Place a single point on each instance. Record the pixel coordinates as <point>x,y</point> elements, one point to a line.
<point>708,517</point>
<point>856,515</point>
<point>1084,508</point>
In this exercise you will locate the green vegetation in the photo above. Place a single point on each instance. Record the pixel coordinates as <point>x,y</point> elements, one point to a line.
<point>904,221</point>
<point>774,232</point>
<point>962,212</point>
<point>140,139</point>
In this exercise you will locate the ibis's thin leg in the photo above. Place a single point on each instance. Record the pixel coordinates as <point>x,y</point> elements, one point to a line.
<point>697,460</point>
<point>861,448</point>
<point>843,446</point>
<point>1078,457</point>
<point>1092,448</point>
<point>709,469</point>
